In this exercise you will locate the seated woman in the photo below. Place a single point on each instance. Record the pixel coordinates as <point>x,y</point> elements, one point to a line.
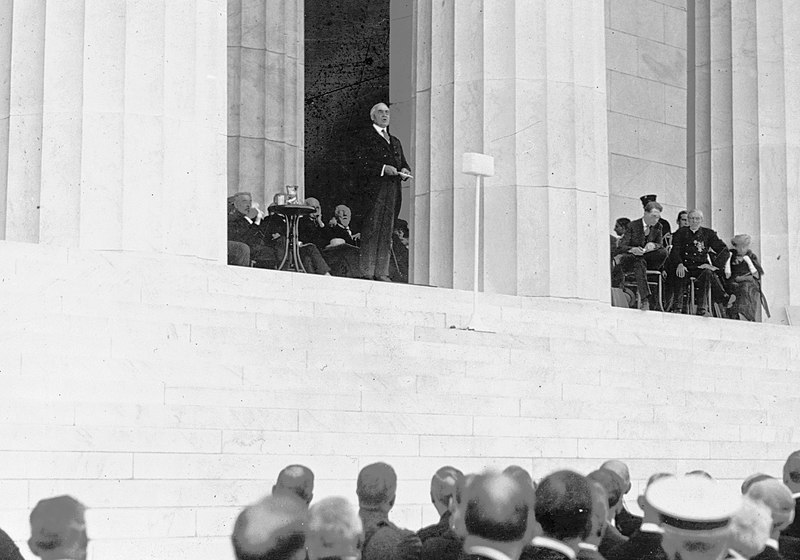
<point>743,279</point>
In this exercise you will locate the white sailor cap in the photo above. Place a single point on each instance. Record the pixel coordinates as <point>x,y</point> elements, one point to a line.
<point>693,505</point>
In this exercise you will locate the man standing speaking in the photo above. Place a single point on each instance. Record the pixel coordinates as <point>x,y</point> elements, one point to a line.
<point>380,165</point>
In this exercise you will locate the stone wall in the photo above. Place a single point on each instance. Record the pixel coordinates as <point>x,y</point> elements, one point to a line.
<point>647,93</point>
<point>166,393</point>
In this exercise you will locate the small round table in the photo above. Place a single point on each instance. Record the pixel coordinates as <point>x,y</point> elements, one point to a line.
<point>292,213</point>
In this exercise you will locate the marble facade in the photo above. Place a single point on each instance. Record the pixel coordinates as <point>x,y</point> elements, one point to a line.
<point>113,124</point>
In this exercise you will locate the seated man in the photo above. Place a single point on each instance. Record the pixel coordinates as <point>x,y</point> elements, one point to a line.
<point>692,249</point>
<point>311,228</point>
<point>641,250</point>
<point>310,256</point>
<point>247,224</point>
<point>342,250</point>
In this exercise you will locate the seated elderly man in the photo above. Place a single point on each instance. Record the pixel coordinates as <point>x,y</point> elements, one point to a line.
<point>496,517</point>
<point>640,250</point>
<point>342,251</point>
<point>335,530</point>
<point>272,528</point>
<point>376,488</point>
<point>692,250</point>
<point>311,228</point>
<point>58,529</point>
<point>564,512</point>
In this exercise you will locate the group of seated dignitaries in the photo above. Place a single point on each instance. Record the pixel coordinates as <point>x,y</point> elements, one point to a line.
<point>507,516</point>
<point>731,277</point>
<point>265,236</point>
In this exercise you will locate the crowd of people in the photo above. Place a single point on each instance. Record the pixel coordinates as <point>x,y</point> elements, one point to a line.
<point>645,253</point>
<point>377,251</point>
<point>494,516</point>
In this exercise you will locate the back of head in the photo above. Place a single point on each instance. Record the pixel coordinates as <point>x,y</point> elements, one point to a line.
<point>777,497</point>
<point>612,484</point>
<point>443,485</point>
<point>334,530</point>
<point>297,480</point>
<point>271,529</point>
<point>750,528</point>
<point>497,508</point>
<point>376,487</point>
<point>564,505</point>
<point>520,475</point>
<point>621,470</point>
<point>58,529</point>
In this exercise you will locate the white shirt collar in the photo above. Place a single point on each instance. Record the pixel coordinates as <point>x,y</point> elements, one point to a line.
<point>772,543</point>
<point>552,544</point>
<point>487,552</point>
<point>588,546</point>
<point>379,129</point>
<point>651,528</point>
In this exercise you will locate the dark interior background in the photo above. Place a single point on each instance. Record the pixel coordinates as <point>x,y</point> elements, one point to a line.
<point>346,73</point>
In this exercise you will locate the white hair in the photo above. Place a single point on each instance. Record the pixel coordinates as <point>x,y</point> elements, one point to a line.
<point>334,529</point>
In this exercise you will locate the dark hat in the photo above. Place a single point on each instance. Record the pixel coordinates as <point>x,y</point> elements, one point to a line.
<point>58,528</point>
<point>648,198</point>
<point>693,504</point>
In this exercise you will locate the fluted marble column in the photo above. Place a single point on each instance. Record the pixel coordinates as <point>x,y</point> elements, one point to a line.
<point>523,81</point>
<point>265,96</point>
<point>750,182</point>
<point>113,124</point>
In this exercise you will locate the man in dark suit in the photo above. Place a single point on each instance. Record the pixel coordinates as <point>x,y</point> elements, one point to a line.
<point>626,522</point>
<point>376,488</point>
<point>381,166</point>
<point>564,512</point>
<point>443,489</point>
<point>692,249</point>
<point>645,542</point>
<point>641,250</point>
<point>496,517</point>
<point>613,486</point>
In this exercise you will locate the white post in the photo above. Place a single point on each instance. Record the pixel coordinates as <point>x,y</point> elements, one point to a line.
<point>479,165</point>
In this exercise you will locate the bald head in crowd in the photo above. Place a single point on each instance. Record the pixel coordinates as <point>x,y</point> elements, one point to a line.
<point>376,487</point>
<point>270,529</point>
<point>334,530</point>
<point>297,480</point>
<point>621,470</point>
<point>496,513</point>
<point>564,507</point>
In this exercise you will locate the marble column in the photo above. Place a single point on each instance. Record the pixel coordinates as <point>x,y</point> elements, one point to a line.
<point>750,183</point>
<point>523,81</point>
<point>265,96</point>
<point>113,124</point>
